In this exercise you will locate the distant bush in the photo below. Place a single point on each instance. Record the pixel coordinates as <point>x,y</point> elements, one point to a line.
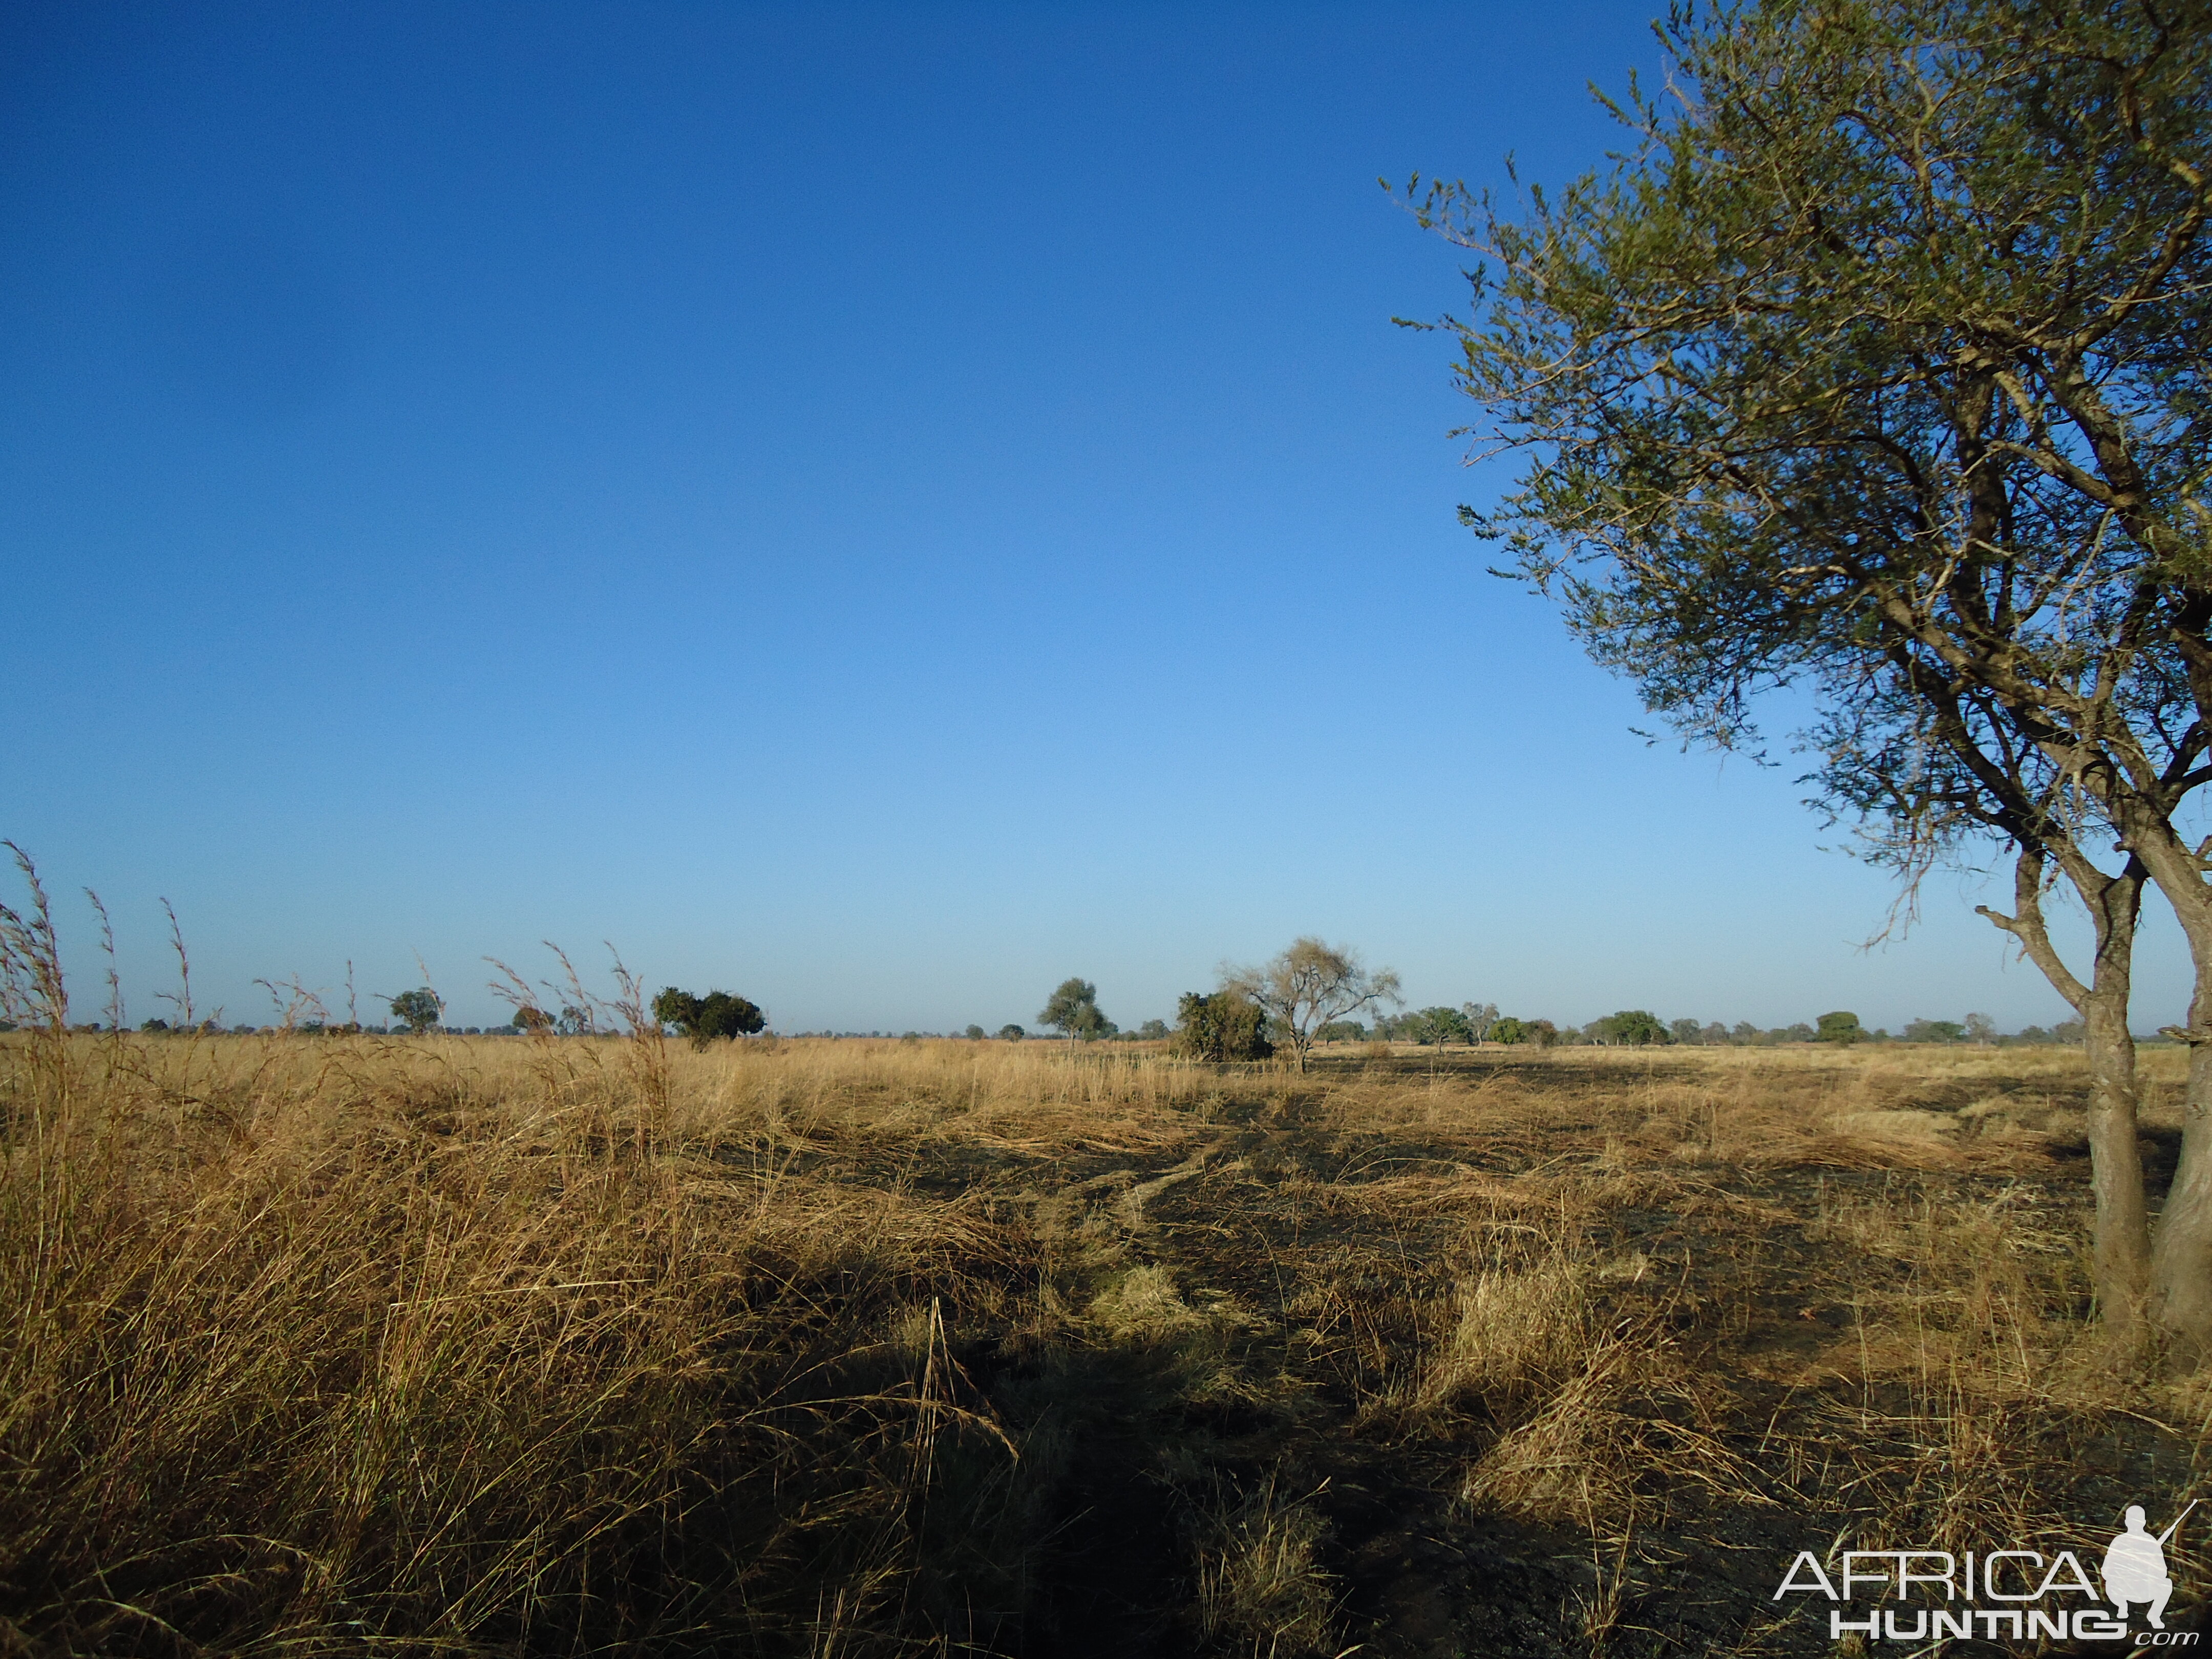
<point>975,1034</point>
<point>1342,1030</point>
<point>1508,1031</point>
<point>1011,1033</point>
<point>1840,1027</point>
<point>1226,1025</point>
<point>1935,1031</point>
<point>1153,1031</point>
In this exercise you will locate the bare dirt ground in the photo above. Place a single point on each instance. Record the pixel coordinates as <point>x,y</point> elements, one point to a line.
<point>333,1344</point>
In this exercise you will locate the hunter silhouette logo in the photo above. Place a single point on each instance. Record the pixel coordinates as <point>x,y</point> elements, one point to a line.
<point>2134,1566</point>
<point>1916,1595</point>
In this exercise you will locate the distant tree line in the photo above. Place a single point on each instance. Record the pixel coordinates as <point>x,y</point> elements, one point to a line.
<point>1306,996</point>
<point>1473,1022</point>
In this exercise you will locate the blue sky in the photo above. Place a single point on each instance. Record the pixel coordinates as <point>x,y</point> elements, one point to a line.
<point>879,509</point>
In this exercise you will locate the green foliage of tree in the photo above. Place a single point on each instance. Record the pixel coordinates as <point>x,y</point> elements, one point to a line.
<point>1631,1028</point>
<point>1508,1031</point>
<point>1011,1033</point>
<point>717,1015</point>
<point>1342,1030</point>
<point>1876,367</point>
<point>1226,1024</point>
<point>418,1010</point>
<point>1935,1031</point>
<point>725,1014</point>
<point>676,1008</point>
<point>1153,1031</point>
<point>975,1034</point>
<point>1073,1011</point>
<point>1839,1028</point>
<point>1438,1026</point>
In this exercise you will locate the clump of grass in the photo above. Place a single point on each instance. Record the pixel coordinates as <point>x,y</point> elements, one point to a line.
<point>1522,1330</point>
<point>1261,1588</point>
<point>1629,1424</point>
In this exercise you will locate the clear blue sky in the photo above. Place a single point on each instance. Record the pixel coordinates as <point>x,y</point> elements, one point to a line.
<point>877,508</point>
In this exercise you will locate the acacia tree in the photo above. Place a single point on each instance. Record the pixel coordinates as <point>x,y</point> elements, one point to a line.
<point>1073,1011</point>
<point>1310,985</point>
<point>419,1009</point>
<point>1877,366</point>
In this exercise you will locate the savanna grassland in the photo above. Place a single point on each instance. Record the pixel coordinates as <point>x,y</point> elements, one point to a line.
<point>350,1344</point>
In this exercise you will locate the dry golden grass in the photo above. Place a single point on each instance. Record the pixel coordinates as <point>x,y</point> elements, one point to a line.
<point>318,1340</point>
<point>1262,1588</point>
<point>341,1344</point>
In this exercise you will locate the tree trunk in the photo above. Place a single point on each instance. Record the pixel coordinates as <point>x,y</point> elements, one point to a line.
<point>2120,1252</point>
<point>2180,1302</point>
<point>2181,1264</point>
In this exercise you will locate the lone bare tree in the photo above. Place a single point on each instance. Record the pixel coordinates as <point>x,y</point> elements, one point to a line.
<point>1877,366</point>
<point>1310,985</point>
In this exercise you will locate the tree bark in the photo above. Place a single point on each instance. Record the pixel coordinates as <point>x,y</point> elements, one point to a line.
<point>2181,1262</point>
<point>2180,1301</point>
<point>2120,1252</point>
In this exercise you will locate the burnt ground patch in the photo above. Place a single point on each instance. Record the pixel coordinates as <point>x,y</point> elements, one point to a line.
<point>1812,1332</point>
